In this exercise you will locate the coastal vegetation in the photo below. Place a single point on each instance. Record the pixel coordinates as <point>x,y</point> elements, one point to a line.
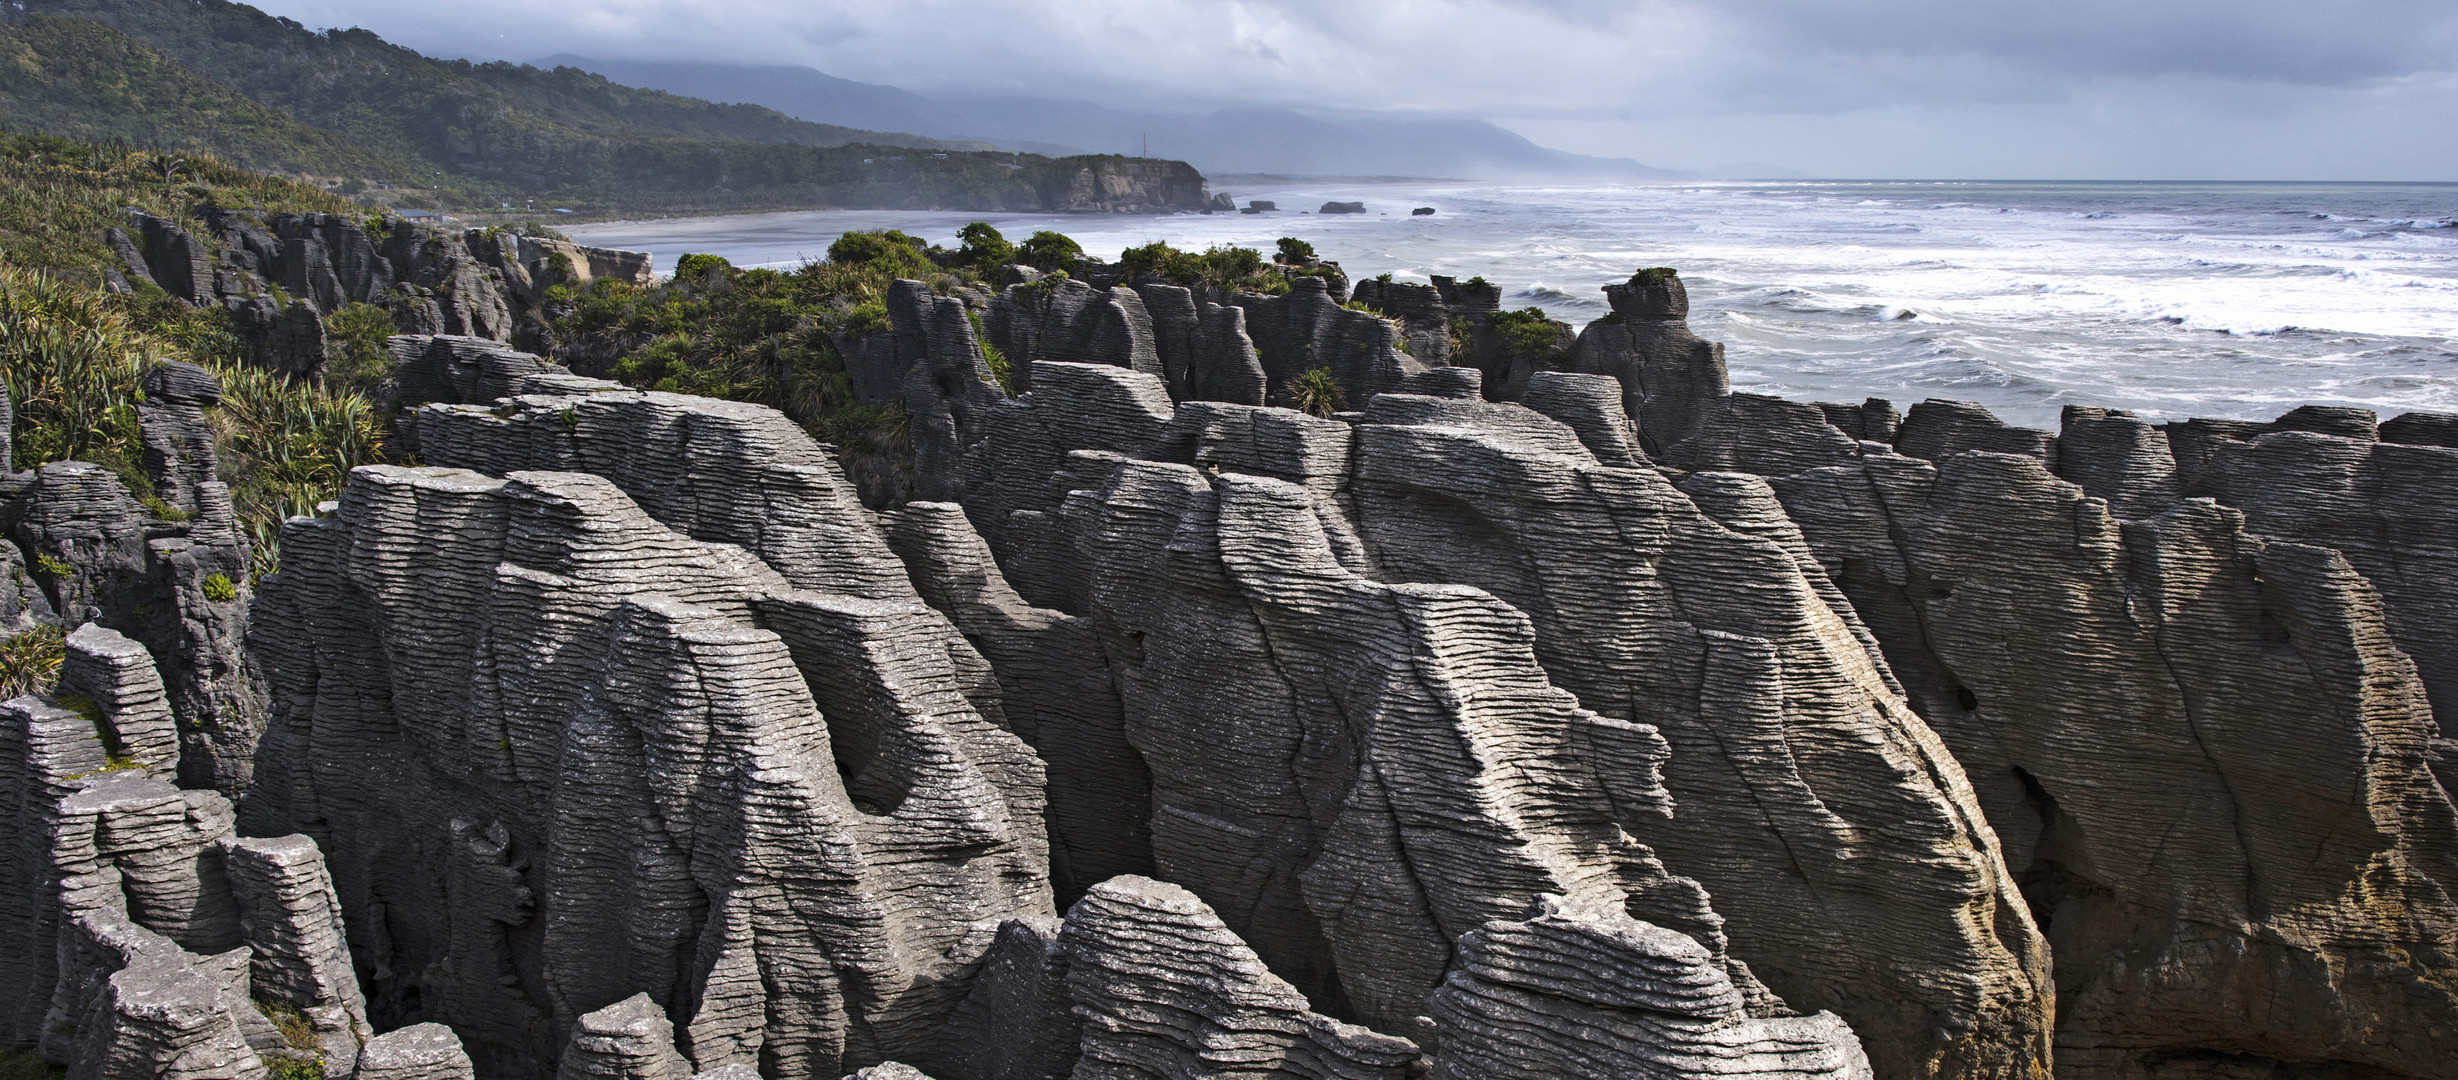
<point>776,337</point>
<point>74,354</point>
<point>75,357</point>
<point>59,195</point>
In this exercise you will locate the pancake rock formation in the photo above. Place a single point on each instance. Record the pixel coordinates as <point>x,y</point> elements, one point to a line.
<point>1524,710</point>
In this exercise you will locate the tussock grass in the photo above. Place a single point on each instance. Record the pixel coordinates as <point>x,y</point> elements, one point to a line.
<point>30,664</point>
<point>1314,393</point>
<point>74,357</point>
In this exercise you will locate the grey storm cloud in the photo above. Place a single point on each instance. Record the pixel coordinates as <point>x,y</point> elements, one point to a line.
<point>1557,56</point>
<point>2340,68</point>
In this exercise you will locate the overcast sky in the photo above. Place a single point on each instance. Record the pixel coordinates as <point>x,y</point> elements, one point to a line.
<point>2137,89</point>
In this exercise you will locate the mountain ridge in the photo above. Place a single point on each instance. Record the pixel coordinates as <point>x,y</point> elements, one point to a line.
<point>1229,138</point>
<point>500,135</point>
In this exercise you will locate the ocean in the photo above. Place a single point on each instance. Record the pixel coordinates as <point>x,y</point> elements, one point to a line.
<point>2237,300</point>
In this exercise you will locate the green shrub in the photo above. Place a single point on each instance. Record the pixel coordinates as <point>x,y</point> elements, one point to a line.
<point>983,248</point>
<point>1315,393</point>
<point>869,318</point>
<point>1224,267</point>
<point>1527,334</point>
<point>887,251</point>
<point>1046,250</point>
<point>1048,283</point>
<point>22,1063</point>
<point>1295,252</point>
<point>220,589</point>
<point>694,267</point>
<point>53,565</point>
<point>1654,275</point>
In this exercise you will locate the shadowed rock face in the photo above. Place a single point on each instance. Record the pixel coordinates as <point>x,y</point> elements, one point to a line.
<point>141,937</point>
<point>2201,748</point>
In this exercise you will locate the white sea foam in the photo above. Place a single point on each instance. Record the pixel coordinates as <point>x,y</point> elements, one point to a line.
<point>2234,300</point>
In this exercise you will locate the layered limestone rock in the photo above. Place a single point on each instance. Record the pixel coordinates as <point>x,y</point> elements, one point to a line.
<point>1669,376</point>
<point>640,748</point>
<point>179,450</point>
<point>112,680</point>
<point>279,275</point>
<point>1424,317</point>
<point>1203,349</point>
<point>1017,1022</point>
<point>1451,489</point>
<point>572,756</point>
<point>179,588</point>
<point>78,516</point>
<point>1569,991</point>
<point>171,573</point>
<point>2202,749</point>
<point>1789,737</point>
<point>1056,693</point>
<point>142,937</point>
<point>2324,478</point>
<point>1319,743</point>
<point>1937,428</point>
<point>165,1016</point>
<point>292,922</point>
<point>1997,592</point>
<point>1164,989</point>
<point>1074,323</point>
<point>628,1040</point>
<point>416,1052</point>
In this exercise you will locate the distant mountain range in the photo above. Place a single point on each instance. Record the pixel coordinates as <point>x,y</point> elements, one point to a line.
<point>1225,140</point>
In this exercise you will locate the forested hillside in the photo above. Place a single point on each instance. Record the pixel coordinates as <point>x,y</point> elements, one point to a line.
<point>368,116</point>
